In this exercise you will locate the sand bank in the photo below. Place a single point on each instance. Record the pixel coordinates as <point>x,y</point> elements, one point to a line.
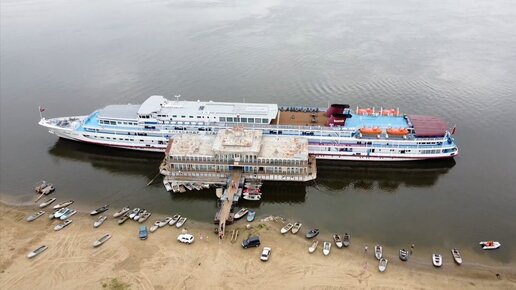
<point>162,263</point>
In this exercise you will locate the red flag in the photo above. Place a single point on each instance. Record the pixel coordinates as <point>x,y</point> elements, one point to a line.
<point>453,130</point>
<point>41,109</point>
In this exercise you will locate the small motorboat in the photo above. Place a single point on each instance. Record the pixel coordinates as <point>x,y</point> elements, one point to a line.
<point>378,252</point>
<point>139,214</point>
<point>326,248</point>
<point>63,204</point>
<point>490,245</point>
<point>144,217</point>
<point>286,228</point>
<point>123,219</point>
<point>40,196</point>
<point>181,188</point>
<point>121,212</point>
<point>188,186</point>
<point>175,187</point>
<point>252,197</point>
<point>61,226</point>
<point>37,252</point>
<point>35,215</point>
<point>346,240</point>
<point>68,214</point>
<point>61,212</point>
<point>296,227</point>
<point>100,210</point>
<point>167,185</point>
<point>338,240</point>
<point>134,212</point>
<point>382,265</point>
<point>404,255</point>
<point>196,186</point>
<point>174,219</point>
<point>100,221</point>
<point>154,227</point>
<point>437,260</point>
<point>102,240</point>
<point>52,215</point>
<point>181,222</point>
<point>242,212</point>
<point>40,185</point>
<point>313,247</point>
<point>250,215</point>
<point>47,202</point>
<point>312,233</point>
<point>456,256</point>
<point>164,221</point>
<point>48,189</point>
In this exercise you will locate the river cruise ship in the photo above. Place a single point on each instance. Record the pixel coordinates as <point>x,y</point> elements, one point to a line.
<point>337,132</point>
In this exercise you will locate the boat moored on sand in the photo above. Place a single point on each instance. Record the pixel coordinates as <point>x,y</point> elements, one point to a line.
<point>102,240</point>
<point>457,257</point>
<point>47,202</point>
<point>63,204</point>
<point>382,264</point>
<point>100,210</point>
<point>286,228</point>
<point>378,252</point>
<point>437,260</point>
<point>37,251</point>
<point>35,215</point>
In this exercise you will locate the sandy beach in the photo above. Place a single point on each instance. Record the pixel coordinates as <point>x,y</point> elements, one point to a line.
<point>161,262</point>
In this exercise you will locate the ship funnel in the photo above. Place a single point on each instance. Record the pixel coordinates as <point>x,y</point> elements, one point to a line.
<point>338,119</point>
<point>336,109</point>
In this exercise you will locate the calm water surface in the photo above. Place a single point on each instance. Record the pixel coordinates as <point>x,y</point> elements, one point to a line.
<point>455,59</point>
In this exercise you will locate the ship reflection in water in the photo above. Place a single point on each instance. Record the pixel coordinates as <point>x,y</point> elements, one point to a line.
<point>331,175</point>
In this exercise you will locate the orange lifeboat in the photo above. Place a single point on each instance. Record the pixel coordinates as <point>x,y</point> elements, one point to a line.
<point>389,112</point>
<point>365,111</point>
<point>370,131</point>
<point>397,131</point>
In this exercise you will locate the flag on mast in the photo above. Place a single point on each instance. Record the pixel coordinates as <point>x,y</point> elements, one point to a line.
<point>453,130</point>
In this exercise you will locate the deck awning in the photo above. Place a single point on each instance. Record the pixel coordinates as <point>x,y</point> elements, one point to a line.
<point>428,126</point>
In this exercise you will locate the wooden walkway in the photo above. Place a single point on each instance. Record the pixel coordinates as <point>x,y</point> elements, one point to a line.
<point>228,202</point>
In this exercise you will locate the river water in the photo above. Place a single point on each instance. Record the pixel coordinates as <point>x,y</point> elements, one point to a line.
<point>454,59</point>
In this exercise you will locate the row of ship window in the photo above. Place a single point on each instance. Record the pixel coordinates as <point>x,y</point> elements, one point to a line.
<point>225,119</point>
<point>105,122</point>
<point>122,139</point>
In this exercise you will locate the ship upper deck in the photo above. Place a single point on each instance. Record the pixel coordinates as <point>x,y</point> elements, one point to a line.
<point>355,122</point>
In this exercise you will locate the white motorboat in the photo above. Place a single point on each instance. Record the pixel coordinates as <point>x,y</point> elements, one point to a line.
<point>382,264</point>
<point>48,189</point>
<point>61,226</point>
<point>181,188</point>
<point>140,214</point>
<point>167,185</point>
<point>338,240</point>
<point>326,248</point>
<point>123,219</point>
<point>175,187</point>
<point>437,260</point>
<point>378,252</point>
<point>63,204</point>
<point>144,217</point>
<point>252,197</point>
<point>346,240</point>
<point>40,196</point>
<point>35,215</point>
<point>404,255</point>
<point>188,186</point>
<point>121,212</point>
<point>181,222</point>
<point>37,252</point>
<point>286,228</point>
<point>456,256</point>
<point>47,202</point>
<point>242,212</point>
<point>40,185</point>
<point>100,221</point>
<point>313,247</point>
<point>174,219</point>
<point>61,212</point>
<point>164,221</point>
<point>134,212</point>
<point>68,214</point>
<point>154,227</point>
<point>296,228</point>
<point>490,245</point>
<point>102,240</point>
<point>100,210</point>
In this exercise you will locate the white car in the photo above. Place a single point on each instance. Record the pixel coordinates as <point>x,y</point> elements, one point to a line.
<point>185,238</point>
<point>266,253</point>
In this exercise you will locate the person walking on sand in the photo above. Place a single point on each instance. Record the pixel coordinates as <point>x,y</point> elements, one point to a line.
<point>365,250</point>
<point>411,248</point>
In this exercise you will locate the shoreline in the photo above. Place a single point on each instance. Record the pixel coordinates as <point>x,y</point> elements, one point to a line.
<point>162,263</point>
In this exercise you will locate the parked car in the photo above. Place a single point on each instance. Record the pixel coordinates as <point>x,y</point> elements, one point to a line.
<point>266,253</point>
<point>253,241</point>
<point>143,233</point>
<point>185,238</point>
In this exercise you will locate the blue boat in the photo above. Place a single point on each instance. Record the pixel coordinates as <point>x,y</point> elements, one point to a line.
<point>250,215</point>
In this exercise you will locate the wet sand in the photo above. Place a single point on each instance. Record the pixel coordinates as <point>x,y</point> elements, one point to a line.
<point>161,262</point>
